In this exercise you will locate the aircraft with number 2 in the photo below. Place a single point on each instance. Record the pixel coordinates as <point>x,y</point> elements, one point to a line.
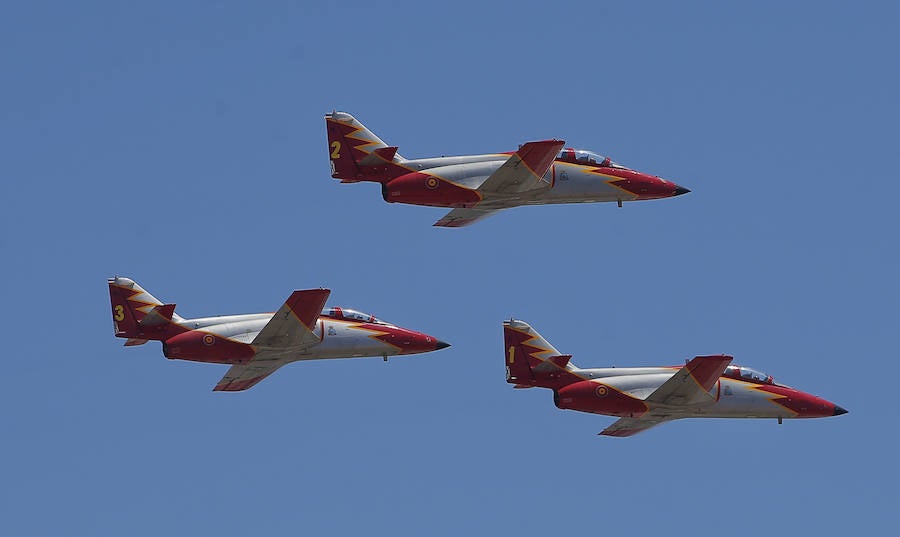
<point>258,344</point>
<point>477,186</point>
<point>643,397</point>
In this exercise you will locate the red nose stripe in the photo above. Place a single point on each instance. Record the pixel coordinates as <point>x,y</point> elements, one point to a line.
<point>805,405</point>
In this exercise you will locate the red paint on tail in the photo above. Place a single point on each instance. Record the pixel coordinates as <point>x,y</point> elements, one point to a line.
<point>357,154</point>
<point>138,315</point>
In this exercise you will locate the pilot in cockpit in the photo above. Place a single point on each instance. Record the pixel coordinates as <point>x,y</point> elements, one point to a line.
<point>347,314</point>
<point>585,158</point>
<point>748,374</point>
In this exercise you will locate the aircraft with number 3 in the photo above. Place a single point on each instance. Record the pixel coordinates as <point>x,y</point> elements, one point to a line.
<point>643,397</point>
<point>477,186</point>
<point>258,344</point>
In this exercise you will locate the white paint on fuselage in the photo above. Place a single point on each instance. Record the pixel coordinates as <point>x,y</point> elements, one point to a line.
<point>421,164</point>
<point>342,339</point>
<point>565,182</point>
<point>731,398</point>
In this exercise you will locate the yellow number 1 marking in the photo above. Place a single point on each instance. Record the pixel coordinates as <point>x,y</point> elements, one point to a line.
<point>512,354</point>
<point>120,313</point>
<point>335,150</point>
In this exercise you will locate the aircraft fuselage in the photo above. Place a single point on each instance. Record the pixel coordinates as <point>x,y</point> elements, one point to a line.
<point>227,340</point>
<point>622,391</point>
<point>454,182</point>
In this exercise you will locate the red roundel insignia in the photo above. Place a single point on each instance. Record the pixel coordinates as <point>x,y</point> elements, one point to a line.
<point>432,182</point>
<point>209,339</point>
<point>602,391</point>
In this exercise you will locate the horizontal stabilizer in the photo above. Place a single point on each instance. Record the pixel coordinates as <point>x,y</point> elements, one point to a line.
<point>631,426</point>
<point>553,363</point>
<point>464,217</point>
<point>379,157</point>
<point>161,314</point>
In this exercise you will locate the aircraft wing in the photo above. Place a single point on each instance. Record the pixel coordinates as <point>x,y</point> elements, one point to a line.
<point>464,217</point>
<point>244,376</point>
<point>524,170</point>
<point>292,324</point>
<point>691,384</point>
<point>632,426</point>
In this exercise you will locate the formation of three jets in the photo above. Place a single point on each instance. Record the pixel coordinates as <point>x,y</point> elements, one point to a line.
<point>474,187</point>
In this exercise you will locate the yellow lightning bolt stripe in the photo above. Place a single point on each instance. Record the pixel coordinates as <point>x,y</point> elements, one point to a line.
<point>369,143</point>
<point>609,179</point>
<point>597,382</point>
<point>146,304</point>
<point>772,397</point>
<point>373,334</point>
<point>630,194</point>
<point>364,138</point>
<point>543,350</point>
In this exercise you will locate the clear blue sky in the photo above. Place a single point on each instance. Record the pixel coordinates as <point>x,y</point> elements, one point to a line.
<point>184,146</point>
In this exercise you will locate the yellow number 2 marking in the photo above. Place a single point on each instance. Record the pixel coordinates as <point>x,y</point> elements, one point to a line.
<point>119,314</point>
<point>335,150</point>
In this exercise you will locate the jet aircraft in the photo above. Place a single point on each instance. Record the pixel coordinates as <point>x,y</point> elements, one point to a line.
<point>477,186</point>
<point>258,344</point>
<point>642,397</point>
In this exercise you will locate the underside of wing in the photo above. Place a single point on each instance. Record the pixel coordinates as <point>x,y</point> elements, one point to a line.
<point>464,217</point>
<point>632,426</point>
<point>524,170</point>
<point>292,325</point>
<point>244,376</point>
<point>692,383</point>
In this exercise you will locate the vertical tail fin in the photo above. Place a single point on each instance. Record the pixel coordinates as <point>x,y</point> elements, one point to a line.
<point>134,310</point>
<point>357,154</point>
<point>530,359</point>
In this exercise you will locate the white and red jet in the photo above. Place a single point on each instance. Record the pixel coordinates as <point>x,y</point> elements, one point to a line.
<point>642,397</point>
<point>477,186</point>
<point>258,344</point>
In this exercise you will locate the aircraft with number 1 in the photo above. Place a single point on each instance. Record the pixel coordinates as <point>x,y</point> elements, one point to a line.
<point>258,344</point>
<point>643,397</point>
<point>477,186</point>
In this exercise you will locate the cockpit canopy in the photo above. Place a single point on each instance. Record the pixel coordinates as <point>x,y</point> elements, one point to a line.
<point>748,374</point>
<point>347,314</point>
<point>585,158</point>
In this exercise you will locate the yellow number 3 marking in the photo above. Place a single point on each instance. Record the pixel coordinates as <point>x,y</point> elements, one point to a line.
<point>335,150</point>
<point>119,314</point>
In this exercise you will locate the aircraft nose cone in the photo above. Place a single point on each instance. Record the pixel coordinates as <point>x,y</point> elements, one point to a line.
<point>679,190</point>
<point>443,345</point>
<point>839,410</point>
